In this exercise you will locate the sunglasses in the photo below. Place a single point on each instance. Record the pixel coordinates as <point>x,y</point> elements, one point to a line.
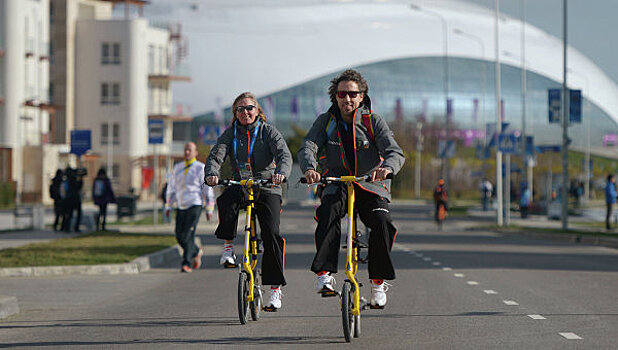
<point>352,94</point>
<point>248,108</point>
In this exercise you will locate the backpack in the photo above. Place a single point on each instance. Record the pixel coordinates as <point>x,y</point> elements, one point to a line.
<point>99,188</point>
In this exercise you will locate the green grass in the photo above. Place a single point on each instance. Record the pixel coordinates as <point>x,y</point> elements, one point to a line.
<point>90,249</point>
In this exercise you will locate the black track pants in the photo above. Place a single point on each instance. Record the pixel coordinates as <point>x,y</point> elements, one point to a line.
<point>374,212</point>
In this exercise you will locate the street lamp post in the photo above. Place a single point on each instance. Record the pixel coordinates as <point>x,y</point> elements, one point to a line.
<point>565,121</point>
<point>445,169</point>
<point>499,187</point>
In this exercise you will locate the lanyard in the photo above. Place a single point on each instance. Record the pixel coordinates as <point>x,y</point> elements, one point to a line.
<point>255,132</point>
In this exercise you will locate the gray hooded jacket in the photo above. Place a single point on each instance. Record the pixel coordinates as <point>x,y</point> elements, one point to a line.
<point>383,151</point>
<point>270,153</point>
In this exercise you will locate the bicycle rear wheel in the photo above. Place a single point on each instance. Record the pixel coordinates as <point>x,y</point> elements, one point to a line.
<point>347,305</point>
<point>243,290</point>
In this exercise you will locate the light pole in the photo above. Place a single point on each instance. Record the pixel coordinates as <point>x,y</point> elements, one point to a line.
<point>565,121</point>
<point>499,187</point>
<point>479,41</point>
<point>417,167</point>
<point>445,170</point>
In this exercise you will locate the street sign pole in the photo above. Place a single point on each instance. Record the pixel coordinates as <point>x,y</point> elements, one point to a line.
<point>155,163</point>
<point>156,135</point>
<point>507,191</point>
<point>565,121</point>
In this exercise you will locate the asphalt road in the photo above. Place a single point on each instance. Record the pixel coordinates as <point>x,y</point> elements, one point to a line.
<point>455,289</point>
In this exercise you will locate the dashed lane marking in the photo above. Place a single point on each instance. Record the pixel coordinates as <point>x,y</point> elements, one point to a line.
<point>490,291</point>
<point>426,259</point>
<point>537,317</point>
<point>570,335</point>
<point>436,263</point>
<point>447,268</point>
<point>510,302</point>
<point>459,275</point>
<point>472,283</point>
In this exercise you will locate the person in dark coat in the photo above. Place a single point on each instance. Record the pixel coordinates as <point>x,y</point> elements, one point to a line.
<point>72,185</point>
<point>54,193</point>
<point>102,195</point>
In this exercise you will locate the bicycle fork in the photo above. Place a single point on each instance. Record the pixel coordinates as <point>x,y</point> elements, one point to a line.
<point>248,263</point>
<point>352,251</point>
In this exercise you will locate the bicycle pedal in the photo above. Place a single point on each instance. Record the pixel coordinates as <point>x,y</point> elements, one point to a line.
<point>270,309</point>
<point>228,265</point>
<point>327,293</point>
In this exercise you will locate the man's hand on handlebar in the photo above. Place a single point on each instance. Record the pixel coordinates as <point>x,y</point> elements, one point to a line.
<point>277,179</point>
<point>380,174</point>
<point>212,180</point>
<point>312,176</point>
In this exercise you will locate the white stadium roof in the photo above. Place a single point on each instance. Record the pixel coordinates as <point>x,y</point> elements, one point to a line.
<point>267,46</point>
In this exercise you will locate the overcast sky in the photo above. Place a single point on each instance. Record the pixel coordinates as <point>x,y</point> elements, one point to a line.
<point>592,25</point>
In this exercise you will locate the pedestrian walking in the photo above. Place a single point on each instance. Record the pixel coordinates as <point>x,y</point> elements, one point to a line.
<point>102,195</point>
<point>54,193</point>
<point>610,199</point>
<point>256,150</point>
<point>186,189</point>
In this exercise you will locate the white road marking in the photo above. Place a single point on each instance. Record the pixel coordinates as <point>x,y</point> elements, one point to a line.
<point>447,269</point>
<point>570,335</point>
<point>459,275</point>
<point>472,283</point>
<point>490,291</point>
<point>436,263</point>
<point>426,259</point>
<point>510,302</point>
<point>537,317</point>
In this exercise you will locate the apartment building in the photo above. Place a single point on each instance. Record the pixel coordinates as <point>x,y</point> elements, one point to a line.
<point>25,108</point>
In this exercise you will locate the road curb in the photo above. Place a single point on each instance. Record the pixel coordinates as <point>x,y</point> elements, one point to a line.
<point>609,242</point>
<point>8,306</point>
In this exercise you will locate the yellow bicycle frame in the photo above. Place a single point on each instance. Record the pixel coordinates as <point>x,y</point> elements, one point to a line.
<point>352,253</point>
<point>249,260</point>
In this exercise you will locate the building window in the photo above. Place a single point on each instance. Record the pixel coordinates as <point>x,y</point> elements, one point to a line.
<point>110,93</point>
<point>151,59</point>
<point>114,172</point>
<point>110,53</point>
<point>105,133</point>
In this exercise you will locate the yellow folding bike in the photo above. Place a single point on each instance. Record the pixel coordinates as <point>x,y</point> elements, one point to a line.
<point>249,286</point>
<point>351,300</point>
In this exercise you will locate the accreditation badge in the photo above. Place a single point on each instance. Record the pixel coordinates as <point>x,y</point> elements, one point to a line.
<point>245,171</point>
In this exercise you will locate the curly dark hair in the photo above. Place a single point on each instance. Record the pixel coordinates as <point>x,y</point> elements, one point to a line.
<point>347,75</point>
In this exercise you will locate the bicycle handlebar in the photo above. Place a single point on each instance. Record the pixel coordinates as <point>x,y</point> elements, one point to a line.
<point>329,179</point>
<point>258,182</point>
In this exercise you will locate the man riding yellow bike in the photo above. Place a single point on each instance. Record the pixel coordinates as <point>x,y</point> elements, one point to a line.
<point>355,142</point>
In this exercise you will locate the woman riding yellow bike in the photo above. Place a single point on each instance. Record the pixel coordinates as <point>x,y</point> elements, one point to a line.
<point>256,150</point>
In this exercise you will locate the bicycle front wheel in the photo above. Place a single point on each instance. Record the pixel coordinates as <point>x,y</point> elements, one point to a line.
<point>256,304</point>
<point>243,290</point>
<point>347,305</point>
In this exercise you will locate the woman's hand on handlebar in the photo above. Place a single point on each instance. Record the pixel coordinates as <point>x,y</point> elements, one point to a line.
<point>277,179</point>
<point>212,180</point>
<point>312,176</point>
<point>381,174</point>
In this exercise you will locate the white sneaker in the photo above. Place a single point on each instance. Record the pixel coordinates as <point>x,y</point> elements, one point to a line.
<point>274,300</point>
<point>378,294</point>
<point>325,283</point>
<point>228,258</point>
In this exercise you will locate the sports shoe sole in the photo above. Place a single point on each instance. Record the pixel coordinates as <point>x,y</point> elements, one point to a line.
<point>376,307</point>
<point>270,309</point>
<point>227,265</point>
<point>327,293</point>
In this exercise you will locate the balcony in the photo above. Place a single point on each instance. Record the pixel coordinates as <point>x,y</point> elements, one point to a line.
<point>179,73</point>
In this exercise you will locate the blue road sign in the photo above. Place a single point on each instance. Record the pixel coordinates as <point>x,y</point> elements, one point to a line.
<point>155,131</point>
<point>507,143</point>
<point>445,151</point>
<point>575,106</point>
<point>548,148</point>
<point>81,141</point>
<point>490,131</point>
<point>554,102</point>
